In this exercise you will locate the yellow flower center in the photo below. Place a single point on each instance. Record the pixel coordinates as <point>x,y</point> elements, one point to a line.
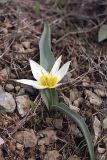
<point>48,80</point>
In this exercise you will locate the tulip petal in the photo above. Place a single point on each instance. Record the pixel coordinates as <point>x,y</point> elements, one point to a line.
<point>37,70</point>
<point>56,65</point>
<point>62,72</point>
<point>32,83</point>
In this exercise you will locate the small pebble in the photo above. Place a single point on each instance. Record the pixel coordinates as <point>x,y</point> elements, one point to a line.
<point>9,87</point>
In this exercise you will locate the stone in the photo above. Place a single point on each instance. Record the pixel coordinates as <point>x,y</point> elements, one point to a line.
<point>17,88</point>
<point>19,48</point>
<point>27,138</point>
<point>23,104</point>
<point>26,44</point>
<point>52,155</point>
<point>9,87</point>
<point>100,90</point>
<point>4,74</point>
<point>86,81</point>
<point>93,98</point>
<point>1,89</point>
<point>74,157</point>
<point>78,101</point>
<point>74,94</point>
<point>105,123</point>
<point>47,136</point>
<point>19,146</point>
<point>105,141</point>
<point>7,102</point>
<point>21,91</point>
<point>101,150</point>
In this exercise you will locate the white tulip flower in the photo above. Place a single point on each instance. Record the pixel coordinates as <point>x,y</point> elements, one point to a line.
<point>46,79</point>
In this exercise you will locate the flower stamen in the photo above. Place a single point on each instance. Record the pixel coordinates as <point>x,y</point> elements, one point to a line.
<point>48,81</point>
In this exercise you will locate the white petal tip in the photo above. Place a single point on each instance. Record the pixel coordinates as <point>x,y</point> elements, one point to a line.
<point>63,70</point>
<point>57,85</point>
<point>60,56</point>
<point>20,81</point>
<point>68,64</point>
<point>31,61</point>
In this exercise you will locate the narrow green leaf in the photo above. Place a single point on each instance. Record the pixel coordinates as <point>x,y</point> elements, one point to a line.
<point>102,34</point>
<point>45,95</point>
<point>46,56</point>
<point>81,124</point>
<point>47,60</point>
<point>49,97</point>
<point>37,8</point>
<point>54,97</point>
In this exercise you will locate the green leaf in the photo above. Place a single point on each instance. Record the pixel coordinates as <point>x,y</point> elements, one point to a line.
<point>50,97</point>
<point>47,60</point>
<point>54,97</point>
<point>3,1</point>
<point>46,56</point>
<point>81,124</point>
<point>102,34</point>
<point>45,95</point>
<point>37,8</point>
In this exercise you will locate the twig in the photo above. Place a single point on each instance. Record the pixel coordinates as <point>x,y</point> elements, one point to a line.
<point>80,32</point>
